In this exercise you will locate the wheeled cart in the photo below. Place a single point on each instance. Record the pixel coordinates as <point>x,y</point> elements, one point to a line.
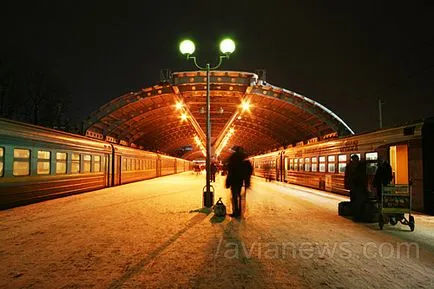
<point>394,204</point>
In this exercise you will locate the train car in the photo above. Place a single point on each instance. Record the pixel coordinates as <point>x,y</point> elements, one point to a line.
<point>131,165</point>
<point>321,164</point>
<point>266,165</point>
<point>37,163</point>
<point>167,165</point>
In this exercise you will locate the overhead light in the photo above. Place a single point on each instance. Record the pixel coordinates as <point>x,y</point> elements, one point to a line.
<point>179,105</point>
<point>245,105</point>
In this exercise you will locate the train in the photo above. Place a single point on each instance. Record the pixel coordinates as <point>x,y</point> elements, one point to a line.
<point>38,163</point>
<point>320,163</point>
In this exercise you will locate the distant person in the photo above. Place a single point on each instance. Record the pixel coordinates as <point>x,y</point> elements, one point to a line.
<point>356,180</point>
<point>213,171</point>
<point>383,176</point>
<point>239,174</point>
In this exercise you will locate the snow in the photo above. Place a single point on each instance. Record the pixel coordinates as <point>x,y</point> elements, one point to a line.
<point>152,234</point>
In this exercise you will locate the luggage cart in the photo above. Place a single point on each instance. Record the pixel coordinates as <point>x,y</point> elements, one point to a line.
<point>394,204</point>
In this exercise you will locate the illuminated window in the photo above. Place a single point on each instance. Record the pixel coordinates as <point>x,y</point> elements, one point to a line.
<point>314,164</point>
<point>342,163</point>
<point>124,164</point>
<point>75,163</point>
<point>300,164</point>
<point>2,152</point>
<point>291,164</point>
<point>86,163</point>
<point>322,165</point>
<point>295,164</point>
<point>43,163</point>
<point>21,162</point>
<point>61,163</point>
<point>371,162</point>
<point>371,156</point>
<point>307,164</point>
<point>331,164</point>
<point>96,164</point>
<point>356,155</point>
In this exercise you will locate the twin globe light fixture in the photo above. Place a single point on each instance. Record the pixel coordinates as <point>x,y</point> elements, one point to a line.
<point>227,46</point>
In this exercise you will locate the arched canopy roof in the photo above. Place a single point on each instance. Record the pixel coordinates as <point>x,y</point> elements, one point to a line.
<point>149,118</point>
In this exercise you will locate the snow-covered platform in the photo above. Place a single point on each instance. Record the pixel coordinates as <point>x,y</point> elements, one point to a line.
<point>152,234</point>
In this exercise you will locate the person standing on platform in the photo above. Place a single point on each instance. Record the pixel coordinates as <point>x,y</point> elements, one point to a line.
<point>383,176</point>
<point>239,174</point>
<point>356,180</point>
<point>213,171</point>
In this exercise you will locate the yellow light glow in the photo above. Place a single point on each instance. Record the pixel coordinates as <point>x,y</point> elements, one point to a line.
<point>184,116</point>
<point>179,105</point>
<point>245,105</point>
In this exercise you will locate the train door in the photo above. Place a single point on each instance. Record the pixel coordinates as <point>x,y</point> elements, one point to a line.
<point>107,169</point>
<point>398,156</point>
<point>158,166</point>
<point>117,169</point>
<point>285,168</point>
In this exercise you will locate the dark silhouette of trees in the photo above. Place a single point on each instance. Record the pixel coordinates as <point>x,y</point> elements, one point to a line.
<point>33,95</point>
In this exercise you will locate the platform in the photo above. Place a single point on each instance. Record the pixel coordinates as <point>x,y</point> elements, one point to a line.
<point>153,234</point>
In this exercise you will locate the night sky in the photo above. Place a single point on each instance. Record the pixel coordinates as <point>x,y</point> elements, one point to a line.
<point>343,54</point>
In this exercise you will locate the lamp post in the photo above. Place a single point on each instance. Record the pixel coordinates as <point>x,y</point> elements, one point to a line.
<point>187,47</point>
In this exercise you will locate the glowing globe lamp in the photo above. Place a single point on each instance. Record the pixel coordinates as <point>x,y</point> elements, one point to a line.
<point>187,47</point>
<point>227,46</point>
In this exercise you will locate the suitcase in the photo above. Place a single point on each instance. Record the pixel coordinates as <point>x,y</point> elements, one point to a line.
<point>344,209</point>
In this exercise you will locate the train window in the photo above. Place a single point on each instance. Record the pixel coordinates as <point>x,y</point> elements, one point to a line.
<point>86,163</point>
<point>314,165</point>
<point>342,163</point>
<point>371,156</point>
<point>21,162</point>
<point>356,155</point>
<point>75,163</point>
<point>129,162</point>
<point>322,166</point>
<point>61,163</point>
<point>300,164</point>
<point>2,151</point>
<point>295,164</point>
<point>331,164</point>
<point>307,164</point>
<point>43,163</point>
<point>96,164</point>
<point>371,162</point>
<point>291,164</point>
<point>124,164</point>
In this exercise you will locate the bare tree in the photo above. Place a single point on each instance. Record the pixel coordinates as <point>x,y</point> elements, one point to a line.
<point>36,85</point>
<point>6,82</point>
